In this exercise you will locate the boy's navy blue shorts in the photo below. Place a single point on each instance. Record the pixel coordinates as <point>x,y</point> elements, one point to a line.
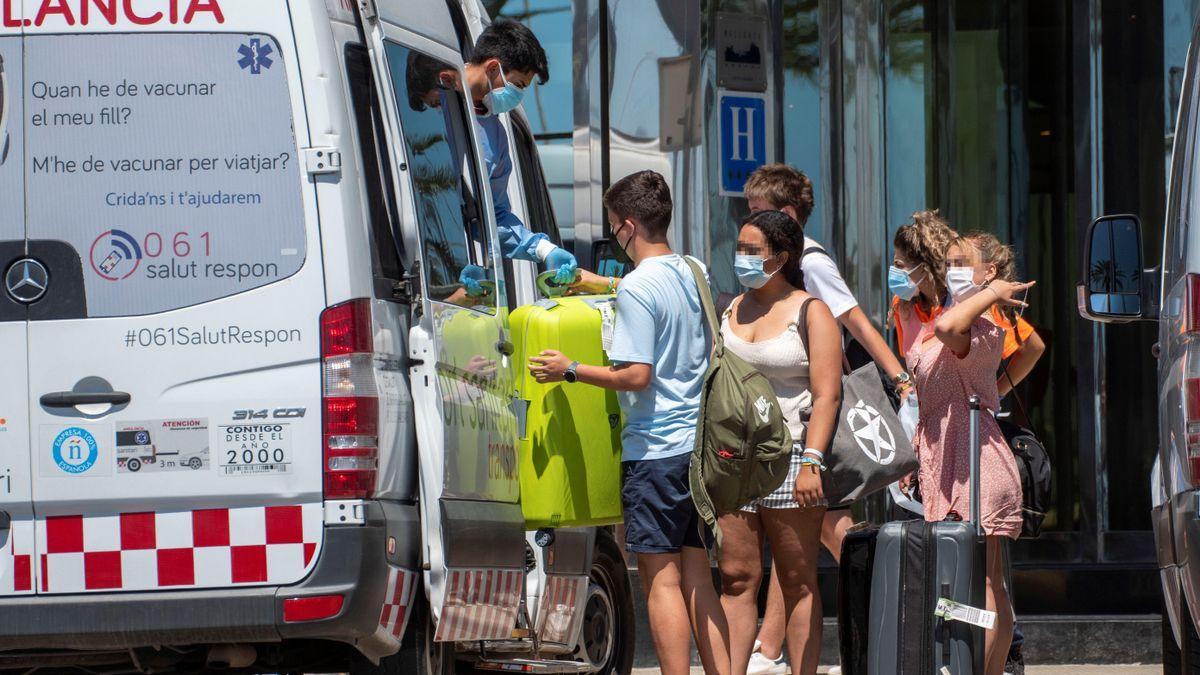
<point>659,514</point>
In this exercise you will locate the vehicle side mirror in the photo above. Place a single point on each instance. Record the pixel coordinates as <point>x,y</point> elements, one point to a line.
<point>607,264</point>
<point>1113,289</point>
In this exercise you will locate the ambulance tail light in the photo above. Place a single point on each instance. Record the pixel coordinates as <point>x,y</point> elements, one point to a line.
<point>1191,411</point>
<point>351,401</point>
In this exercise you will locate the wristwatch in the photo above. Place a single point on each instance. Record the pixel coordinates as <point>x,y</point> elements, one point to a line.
<point>901,379</point>
<point>569,375</point>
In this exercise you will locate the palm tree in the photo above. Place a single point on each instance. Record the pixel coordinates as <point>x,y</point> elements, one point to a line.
<point>1105,277</point>
<point>419,144</point>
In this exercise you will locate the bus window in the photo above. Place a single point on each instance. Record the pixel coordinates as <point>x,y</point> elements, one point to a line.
<point>540,211</point>
<point>550,107</point>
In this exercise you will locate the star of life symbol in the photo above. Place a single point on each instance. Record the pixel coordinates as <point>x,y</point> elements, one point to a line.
<point>255,56</point>
<point>763,407</point>
<point>874,437</point>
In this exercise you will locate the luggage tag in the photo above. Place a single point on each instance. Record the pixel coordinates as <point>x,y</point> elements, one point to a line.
<point>607,325</point>
<point>956,611</point>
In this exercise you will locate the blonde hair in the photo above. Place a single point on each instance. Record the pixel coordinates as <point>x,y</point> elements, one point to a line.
<point>782,185</point>
<point>993,252</point>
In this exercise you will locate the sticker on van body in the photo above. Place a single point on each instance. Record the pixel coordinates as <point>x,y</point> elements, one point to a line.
<point>162,445</point>
<point>255,449</point>
<point>75,450</point>
<point>185,186</point>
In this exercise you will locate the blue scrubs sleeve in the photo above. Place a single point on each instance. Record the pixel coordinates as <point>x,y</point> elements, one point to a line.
<point>516,241</point>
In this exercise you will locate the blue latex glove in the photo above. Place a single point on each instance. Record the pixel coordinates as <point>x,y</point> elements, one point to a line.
<point>470,278</point>
<point>564,264</point>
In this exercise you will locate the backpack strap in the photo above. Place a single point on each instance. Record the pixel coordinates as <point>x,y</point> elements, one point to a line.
<point>802,328</point>
<point>1016,394</point>
<point>802,325</point>
<point>706,300</point>
<point>700,496</point>
<point>814,249</point>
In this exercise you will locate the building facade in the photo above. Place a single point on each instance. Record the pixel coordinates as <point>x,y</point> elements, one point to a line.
<point>1018,117</point>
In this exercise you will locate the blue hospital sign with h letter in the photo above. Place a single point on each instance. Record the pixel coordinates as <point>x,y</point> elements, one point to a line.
<point>744,139</point>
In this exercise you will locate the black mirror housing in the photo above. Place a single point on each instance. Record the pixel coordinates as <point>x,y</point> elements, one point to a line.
<point>1116,287</point>
<point>605,259</point>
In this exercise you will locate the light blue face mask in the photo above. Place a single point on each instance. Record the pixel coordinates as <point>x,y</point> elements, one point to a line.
<point>504,99</point>
<point>749,269</point>
<point>901,284</point>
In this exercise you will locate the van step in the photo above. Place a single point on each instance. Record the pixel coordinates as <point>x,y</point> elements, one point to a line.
<point>533,666</point>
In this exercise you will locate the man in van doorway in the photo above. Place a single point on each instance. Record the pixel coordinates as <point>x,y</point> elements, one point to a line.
<point>506,59</point>
<point>660,349</point>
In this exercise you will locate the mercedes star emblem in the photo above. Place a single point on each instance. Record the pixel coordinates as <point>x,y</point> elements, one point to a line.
<point>26,280</point>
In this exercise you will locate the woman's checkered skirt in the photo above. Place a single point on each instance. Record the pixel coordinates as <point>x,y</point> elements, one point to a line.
<point>782,498</point>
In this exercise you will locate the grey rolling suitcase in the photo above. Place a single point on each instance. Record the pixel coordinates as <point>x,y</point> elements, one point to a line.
<point>915,564</point>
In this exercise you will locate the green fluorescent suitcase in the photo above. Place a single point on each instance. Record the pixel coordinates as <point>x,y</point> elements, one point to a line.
<point>570,456</point>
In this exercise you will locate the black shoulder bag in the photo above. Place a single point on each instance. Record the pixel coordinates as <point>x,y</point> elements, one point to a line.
<point>1033,464</point>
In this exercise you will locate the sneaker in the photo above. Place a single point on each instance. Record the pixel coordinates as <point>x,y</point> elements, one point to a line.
<point>1015,665</point>
<point>835,670</point>
<point>761,665</point>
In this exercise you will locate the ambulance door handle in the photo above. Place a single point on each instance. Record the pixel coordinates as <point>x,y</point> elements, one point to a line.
<point>505,347</point>
<point>70,399</point>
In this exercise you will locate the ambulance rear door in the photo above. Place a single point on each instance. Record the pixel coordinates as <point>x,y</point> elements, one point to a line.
<point>458,346</point>
<point>175,387</point>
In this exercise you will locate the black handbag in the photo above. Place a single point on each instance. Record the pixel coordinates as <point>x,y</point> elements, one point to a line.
<point>1033,465</point>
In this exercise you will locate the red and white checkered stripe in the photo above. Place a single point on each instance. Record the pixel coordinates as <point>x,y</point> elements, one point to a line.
<point>178,549</point>
<point>558,615</point>
<point>401,588</point>
<point>480,604</point>
<point>16,559</point>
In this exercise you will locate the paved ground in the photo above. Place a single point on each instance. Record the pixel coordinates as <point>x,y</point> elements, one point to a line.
<point>1030,670</point>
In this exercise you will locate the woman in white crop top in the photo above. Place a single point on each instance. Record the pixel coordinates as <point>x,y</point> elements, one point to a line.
<point>762,327</point>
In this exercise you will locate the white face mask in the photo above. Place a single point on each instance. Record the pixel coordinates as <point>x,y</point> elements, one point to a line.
<point>961,283</point>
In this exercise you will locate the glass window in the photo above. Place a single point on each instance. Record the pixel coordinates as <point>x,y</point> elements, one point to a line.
<point>802,137</point>
<point>377,174</point>
<point>539,211</point>
<point>437,143</point>
<point>988,170</point>
<point>1178,18</point>
<point>184,182</point>
<point>1131,157</point>
<point>910,93</point>
<point>550,107</point>
<point>1182,208</point>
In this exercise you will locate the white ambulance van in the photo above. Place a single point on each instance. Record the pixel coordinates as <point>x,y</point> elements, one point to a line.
<point>251,418</point>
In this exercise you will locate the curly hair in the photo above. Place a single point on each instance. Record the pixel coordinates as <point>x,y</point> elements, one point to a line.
<point>783,235</point>
<point>924,241</point>
<point>993,252</point>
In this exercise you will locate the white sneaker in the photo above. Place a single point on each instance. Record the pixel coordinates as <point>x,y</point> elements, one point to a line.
<point>761,665</point>
<point>835,670</point>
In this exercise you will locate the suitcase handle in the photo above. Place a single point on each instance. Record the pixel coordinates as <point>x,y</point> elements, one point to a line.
<point>975,451</point>
<point>548,287</point>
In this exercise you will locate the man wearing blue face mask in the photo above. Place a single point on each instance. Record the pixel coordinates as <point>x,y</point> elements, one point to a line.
<point>505,60</point>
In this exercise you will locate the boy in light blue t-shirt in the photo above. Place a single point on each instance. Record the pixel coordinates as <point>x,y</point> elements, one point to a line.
<point>660,351</point>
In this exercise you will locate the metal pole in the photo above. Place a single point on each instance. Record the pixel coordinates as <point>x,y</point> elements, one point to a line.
<point>975,452</point>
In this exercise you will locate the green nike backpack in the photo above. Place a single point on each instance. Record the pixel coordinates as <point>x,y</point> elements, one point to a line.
<point>743,447</point>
